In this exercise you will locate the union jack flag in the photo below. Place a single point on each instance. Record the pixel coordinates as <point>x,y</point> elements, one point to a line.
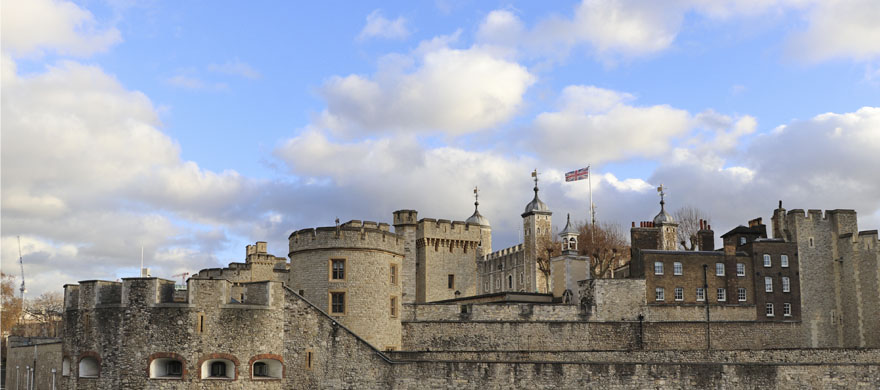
<point>579,174</point>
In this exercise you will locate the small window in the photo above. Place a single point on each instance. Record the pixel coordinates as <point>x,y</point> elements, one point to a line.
<point>676,268</point>
<point>450,281</point>
<point>658,268</point>
<point>742,240</point>
<point>659,294</point>
<point>769,310</point>
<point>486,286</point>
<point>701,294</point>
<point>783,261</point>
<point>510,281</point>
<point>201,323</point>
<point>89,367</point>
<point>811,242</point>
<point>741,294</point>
<point>393,272</point>
<point>337,269</point>
<point>722,295</point>
<point>166,368</point>
<point>740,269</point>
<point>786,284</point>
<point>768,284</point>
<point>310,359</point>
<point>786,309</point>
<point>679,294</point>
<point>520,278</point>
<point>767,262</point>
<point>218,369</point>
<point>268,369</point>
<point>719,269</point>
<point>394,307</point>
<point>337,302</point>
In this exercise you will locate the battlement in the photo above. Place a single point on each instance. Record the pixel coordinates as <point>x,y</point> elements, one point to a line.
<point>157,292</point>
<point>446,229</point>
<point>866,239</point>
<point>504,252</point>
<point>816,214</point>
<point>353,234</point>
<point>406,217</point>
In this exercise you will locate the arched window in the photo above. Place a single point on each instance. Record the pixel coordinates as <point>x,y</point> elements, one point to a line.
<point>166,367</point>
<point>218,369</point>
<point>89,367</point>
<point>267,369</point>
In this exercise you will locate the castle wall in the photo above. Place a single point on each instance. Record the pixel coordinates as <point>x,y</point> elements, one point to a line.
<point>582,335</point>
<point>273,322</point>
<point>368,254</point>
<point>446,248</point>
<point>495,269</point>
<point>21,354</point>
<point>816,237</point>
<point>860,289</point>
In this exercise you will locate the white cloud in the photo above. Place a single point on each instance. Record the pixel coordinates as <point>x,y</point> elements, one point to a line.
<point>624,29</point>
<point>88,178</point>
<point>450,90</point>
<point>379,27</point>
<point>236,68</point>
<point>839,29</point>
<point>595,125</point>
<point>33,26</point>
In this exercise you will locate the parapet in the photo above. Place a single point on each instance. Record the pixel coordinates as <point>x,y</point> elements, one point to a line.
<point>353,234</point>
<point>447,229</point>
<point>406,217</point>
<point>156,292</point>
<point>504,252</point>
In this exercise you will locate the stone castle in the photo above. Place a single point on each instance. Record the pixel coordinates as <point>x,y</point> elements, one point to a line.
<point>431,305</point>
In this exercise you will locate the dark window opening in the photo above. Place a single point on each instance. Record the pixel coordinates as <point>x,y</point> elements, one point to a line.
<point>173,368</point>
<point>261,369</point>
<point>450,281</point>
<point>218,370</point>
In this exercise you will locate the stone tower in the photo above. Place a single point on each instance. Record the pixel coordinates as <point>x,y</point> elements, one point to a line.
<point>405,224</point>
<point>537,225</point>
<point>569,236</point>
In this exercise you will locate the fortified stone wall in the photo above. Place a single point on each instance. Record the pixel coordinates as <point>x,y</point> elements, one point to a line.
<point>258,266</point>
<point>446,248</point>
<point>41,355</point>
<point>495,269</point>
<point>273,323</point>
<point>369,251</point>
<point>425,335</point>
<point>817,238</point>
<point>860,292</point>
<point>491,312</point>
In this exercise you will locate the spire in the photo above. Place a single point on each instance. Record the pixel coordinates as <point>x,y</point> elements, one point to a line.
<point>663,217</point>
<point>536,205</point>
<point>476,217</point>
<point>568,230</point>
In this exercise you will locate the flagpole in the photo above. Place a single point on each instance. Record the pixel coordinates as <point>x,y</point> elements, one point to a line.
<point>590,181</point>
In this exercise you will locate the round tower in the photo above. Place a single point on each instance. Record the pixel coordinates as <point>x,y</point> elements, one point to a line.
<point>352,272</point>
<point>485,229</point>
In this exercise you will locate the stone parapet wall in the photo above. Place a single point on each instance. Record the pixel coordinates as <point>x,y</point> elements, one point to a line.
<point>581,335</point>
<point>492,312</point>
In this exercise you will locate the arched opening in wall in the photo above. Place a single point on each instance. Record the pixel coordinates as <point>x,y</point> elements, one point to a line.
<point>166,368</point>
<point>65,366</point>
<point>89,367</point>
<point>267,369</point>
<point>218,369</point>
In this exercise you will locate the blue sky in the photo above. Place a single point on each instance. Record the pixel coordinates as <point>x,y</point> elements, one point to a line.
<point>195,128</point>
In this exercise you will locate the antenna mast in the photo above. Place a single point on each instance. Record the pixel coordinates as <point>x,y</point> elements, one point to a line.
<point>22,290</point>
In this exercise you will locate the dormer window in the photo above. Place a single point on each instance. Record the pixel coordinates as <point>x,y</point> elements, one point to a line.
<point>742,240</point>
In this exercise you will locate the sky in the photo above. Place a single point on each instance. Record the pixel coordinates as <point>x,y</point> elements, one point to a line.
<point>191,129</point>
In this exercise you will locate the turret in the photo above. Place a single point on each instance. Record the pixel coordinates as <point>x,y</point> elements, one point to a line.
<point>569,237</point>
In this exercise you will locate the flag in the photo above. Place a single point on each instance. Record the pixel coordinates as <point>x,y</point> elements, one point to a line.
<point>579,174</point>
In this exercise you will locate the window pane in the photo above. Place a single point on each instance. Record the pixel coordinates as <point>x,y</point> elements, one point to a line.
<point>767,262</point>
<point>658,268</point>
<point>719,269</point>
<point>701,294</point>
<point>676,268</point>
<point>722,295</point>
<point>783,260</point>
<point>740,269</point>
<point>741,294</point>
<point>768,284</point>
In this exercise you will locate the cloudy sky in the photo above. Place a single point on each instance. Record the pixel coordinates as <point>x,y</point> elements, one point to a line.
<point>192,129</point>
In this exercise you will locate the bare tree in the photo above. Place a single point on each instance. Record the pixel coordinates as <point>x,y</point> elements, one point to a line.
<point>606,245</point>
<point>46,308</point>
<point>10,305</point>
<point>548,247</point>
<point>688,219</point>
